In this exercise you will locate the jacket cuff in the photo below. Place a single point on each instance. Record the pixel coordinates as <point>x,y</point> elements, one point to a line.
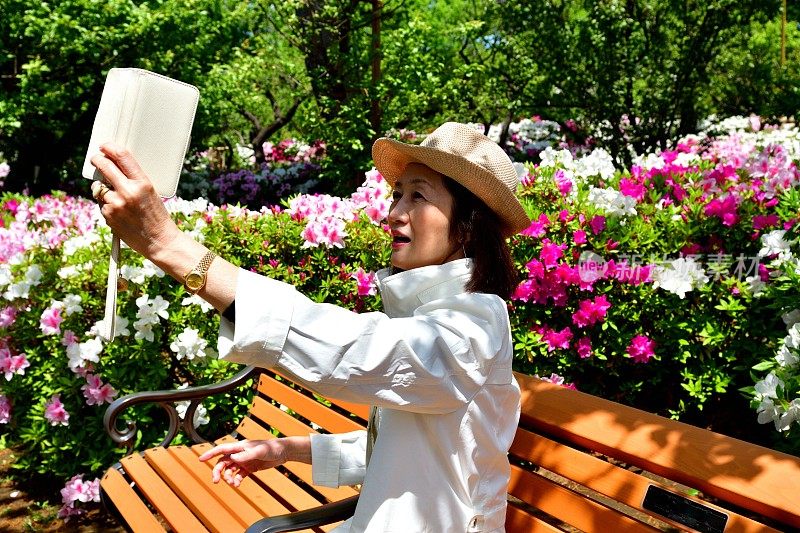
<point>263,314</point>
<point>338,460</point>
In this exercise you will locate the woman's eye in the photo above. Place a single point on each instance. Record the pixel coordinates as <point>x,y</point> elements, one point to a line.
<point>396,196</point>
<point>418,195</point>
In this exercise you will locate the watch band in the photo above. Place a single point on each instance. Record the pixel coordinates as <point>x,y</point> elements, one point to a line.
<point>195,279</point>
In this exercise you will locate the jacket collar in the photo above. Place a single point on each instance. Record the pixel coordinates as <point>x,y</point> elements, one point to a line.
<point>404,292</point>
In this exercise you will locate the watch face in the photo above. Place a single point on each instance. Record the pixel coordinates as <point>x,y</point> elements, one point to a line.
<point>194,281</point>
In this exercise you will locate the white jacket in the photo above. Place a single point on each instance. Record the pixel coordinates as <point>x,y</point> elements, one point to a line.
<point>438,365</point>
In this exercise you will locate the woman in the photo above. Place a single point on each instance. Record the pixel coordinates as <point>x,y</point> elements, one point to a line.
<point>437,363</point>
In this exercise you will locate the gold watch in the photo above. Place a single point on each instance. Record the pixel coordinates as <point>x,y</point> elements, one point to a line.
<point>196,278</point>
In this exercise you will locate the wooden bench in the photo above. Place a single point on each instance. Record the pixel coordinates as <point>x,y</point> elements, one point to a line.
<point>578,463</point>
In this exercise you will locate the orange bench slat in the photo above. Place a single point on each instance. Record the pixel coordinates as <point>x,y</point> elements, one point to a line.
<point>567,506</point>
<point>128,503</point>
<point>519,521</point>
<point>307,407</point>
<point>160,495</point>
<point>214,515</point>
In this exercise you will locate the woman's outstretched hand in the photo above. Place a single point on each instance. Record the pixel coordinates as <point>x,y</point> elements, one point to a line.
<point>131,206</point>
<point>241,458</point>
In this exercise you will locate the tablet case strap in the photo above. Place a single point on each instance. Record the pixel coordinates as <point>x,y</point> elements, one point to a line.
<point>109,322</point>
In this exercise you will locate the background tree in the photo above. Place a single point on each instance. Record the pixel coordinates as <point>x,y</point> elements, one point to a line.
<point>635,69</point>
<point>56,54</point>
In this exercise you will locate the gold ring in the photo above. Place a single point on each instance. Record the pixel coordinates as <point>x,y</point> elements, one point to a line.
<point>101,192</point>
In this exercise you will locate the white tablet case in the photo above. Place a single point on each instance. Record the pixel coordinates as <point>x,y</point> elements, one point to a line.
<point>151,115</point>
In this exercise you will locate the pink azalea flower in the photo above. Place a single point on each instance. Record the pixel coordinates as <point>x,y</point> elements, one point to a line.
<point>97,393</point>
<point>551,253</point>
<point>554,339</point>
<point>7,316</point>
<point>591,312</point>
<point>524,291</point>
<point>55,413</point>
<point>724,209</point>
<point>69,338</point>
<point>765,221</point>
<point>641,348</point>
<point>77,490</point>
<point>538,227</point>
<point>366,282</point>
<point>535,269</point>
<point>584,347</point>
<point>563,182</point>
<point>5,409</point>
<point>579,236</point>
<point>598,224</point>
<point>51,319</point>
<point>633,189</point>
<point>378,210</point>
<point>558,380</point>
<point>12,364</point>
<point>763,272</point>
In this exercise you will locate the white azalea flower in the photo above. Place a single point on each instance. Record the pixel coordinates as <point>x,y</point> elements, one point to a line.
<point>186,207</point>
<point>84,240</point>
<point>5,275</point>
<point>554,158</point>
<point>80,353</point>
<point>791,318</point>
<point>132,273</point>
<point>785,357</point>
<point>189,344</point>
<point>685,159</point>
<point>194,299</point>
<point>791,415</point>
<point>679,276</point>
<point>17,290</point>
<point>650,161</point>
<point>769,412</point>
<point>768,387</point>
<point>150,269</point>
<point>67,272</point>
<point>612,202</point>
<point>773,244</point>
<point>72,304</point>
<point>144,331</point>
<point>200,417</point>
<point>597,163</point>
<point>121,326</point>
<point>34,275</point>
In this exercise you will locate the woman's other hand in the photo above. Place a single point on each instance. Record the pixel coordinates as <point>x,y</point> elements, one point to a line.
<point>241,458</point>
<point>132,208</point>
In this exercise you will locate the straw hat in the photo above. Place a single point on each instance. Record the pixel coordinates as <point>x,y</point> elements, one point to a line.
<point>467,156</point>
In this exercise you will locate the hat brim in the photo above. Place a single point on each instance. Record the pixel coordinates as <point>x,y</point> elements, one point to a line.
<point>391,158</point>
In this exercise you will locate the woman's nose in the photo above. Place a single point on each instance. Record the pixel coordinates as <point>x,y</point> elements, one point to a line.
<point>397,213</point>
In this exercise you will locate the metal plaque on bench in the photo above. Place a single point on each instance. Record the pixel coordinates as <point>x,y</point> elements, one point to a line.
<point>684,510</point>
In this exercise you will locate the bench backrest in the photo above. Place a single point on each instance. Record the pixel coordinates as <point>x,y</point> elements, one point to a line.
<point>596,465</point>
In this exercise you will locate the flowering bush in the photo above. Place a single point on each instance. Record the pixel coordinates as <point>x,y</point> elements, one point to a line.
<point>60,376</point>
<point>663,284</point>
<point>290,167</point>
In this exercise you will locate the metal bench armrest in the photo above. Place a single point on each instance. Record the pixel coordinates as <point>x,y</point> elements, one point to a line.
<point>318,516</point>
<point>167,399</point>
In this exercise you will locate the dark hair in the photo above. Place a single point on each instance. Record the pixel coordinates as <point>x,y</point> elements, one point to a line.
<point>478,229</point>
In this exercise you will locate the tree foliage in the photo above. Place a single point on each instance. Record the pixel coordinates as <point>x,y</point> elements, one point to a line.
<point>639,72</point>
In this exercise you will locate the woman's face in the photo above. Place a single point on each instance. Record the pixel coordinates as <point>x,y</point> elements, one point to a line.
<point>420,220</point>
